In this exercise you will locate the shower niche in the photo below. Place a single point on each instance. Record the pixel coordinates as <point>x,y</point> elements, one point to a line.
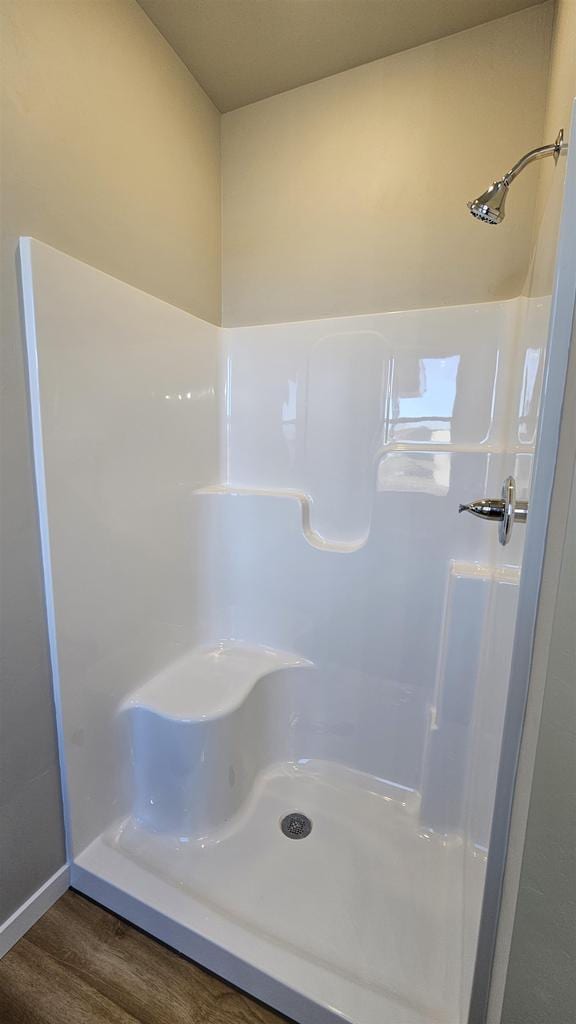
<point>263,601</point>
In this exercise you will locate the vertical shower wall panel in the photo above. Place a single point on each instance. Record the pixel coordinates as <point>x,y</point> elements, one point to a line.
<point>262,596</point>
<point>349,445</point>
<point>129,430</point>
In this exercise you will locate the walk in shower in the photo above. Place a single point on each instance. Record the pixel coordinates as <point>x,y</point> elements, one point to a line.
<point>281,655</point>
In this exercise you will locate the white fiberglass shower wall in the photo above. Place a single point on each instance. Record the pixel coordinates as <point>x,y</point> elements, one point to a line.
<point>263,600</point>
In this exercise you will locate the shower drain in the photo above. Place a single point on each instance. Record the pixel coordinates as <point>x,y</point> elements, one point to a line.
<point>296,825</point>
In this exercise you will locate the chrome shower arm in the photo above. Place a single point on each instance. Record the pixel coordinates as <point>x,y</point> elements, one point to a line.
<point>535,154</point>
<point>489,207</point>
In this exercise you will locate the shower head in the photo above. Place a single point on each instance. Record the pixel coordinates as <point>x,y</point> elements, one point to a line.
<point>489,207</point>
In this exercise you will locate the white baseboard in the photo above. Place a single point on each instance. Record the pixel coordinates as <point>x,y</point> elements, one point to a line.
<point>39,902</point>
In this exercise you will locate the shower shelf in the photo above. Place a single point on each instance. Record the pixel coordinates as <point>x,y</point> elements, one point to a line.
<point>315,539</point>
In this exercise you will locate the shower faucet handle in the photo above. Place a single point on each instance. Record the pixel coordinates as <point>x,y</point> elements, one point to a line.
<point>505,510</point>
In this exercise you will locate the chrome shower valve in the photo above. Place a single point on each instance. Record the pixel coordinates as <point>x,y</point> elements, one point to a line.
<point>505,510</point>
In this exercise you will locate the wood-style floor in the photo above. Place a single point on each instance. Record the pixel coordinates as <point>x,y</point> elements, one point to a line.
<point>82,965</point>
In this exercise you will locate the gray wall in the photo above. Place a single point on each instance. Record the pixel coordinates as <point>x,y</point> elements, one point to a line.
<point>111,152</point>
<point>541,982</point>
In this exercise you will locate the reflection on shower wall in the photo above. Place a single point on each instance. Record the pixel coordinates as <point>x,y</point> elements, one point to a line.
<point>339,397</point>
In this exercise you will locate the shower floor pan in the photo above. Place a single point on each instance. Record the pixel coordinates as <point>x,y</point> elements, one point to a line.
<point>362,920</point>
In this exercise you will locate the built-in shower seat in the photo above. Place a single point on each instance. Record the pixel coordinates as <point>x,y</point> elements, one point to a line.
<point>205,728</point>
<point>210,681</point>
<point>200,732</point>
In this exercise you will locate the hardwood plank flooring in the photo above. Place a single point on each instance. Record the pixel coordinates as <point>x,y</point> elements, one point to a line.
<point>80,964</point>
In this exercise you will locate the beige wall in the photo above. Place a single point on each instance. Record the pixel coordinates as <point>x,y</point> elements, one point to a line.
<point>541,981</point>
<point>110,151</point>
<point>348,195</point>
<point>560,96</point>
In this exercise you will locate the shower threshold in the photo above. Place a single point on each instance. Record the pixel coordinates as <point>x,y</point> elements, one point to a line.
<point>361,922</point>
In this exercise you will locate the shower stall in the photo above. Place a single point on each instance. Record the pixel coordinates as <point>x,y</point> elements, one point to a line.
<point>281,656</point>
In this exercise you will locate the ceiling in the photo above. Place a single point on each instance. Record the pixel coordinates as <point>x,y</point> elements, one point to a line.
<point>244,50</point>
